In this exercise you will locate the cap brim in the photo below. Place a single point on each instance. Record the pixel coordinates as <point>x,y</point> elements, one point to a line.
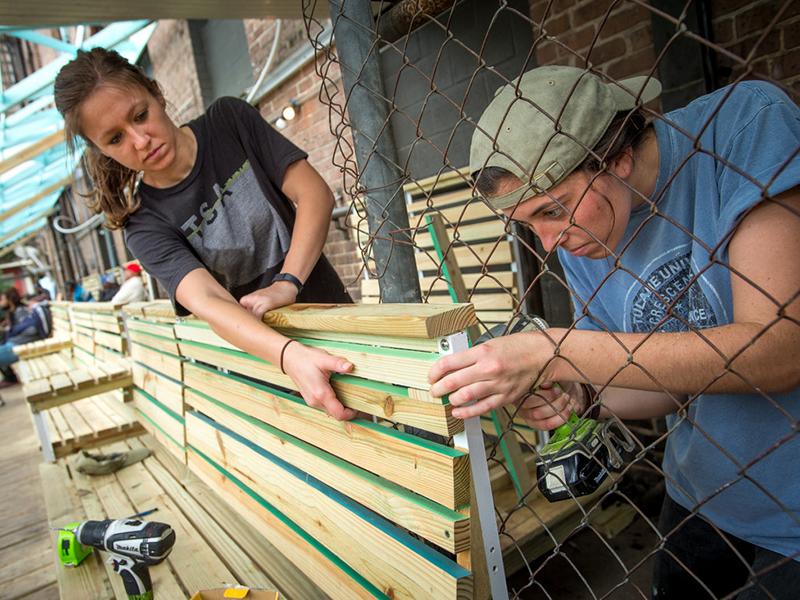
<point>635,91</point>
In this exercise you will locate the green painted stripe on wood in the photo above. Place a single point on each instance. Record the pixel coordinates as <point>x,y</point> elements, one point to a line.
<point>169,411</point>
<point>434,557</point>
<point>390,487</point>
<point>423,443</point>
<point>178,356</point>
<point>161,429</point>
<point>365,383</point>
<point>294,527</point>
<point>159,373</point>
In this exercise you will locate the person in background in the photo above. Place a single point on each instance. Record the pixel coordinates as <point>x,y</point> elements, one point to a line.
<point>23,325</point>
<point>77,293</point>
<point>110,287</point>
<point>132,288</point>
<point>224,211</point>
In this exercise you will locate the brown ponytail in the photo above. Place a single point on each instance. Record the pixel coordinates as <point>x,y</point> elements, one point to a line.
<point>114,184</point>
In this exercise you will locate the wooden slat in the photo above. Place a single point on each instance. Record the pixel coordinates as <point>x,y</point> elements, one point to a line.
<point>163,389</point>
<point>436,472</point>
<point>447,529</point>
<point>168,423</point>
<point>391,365</point>
<point>110,340</point>
<point>158,361</point>
<point>156,328</point>
<point>404,405</point>
<point>294,543</point>
<point>385,555</point>
<point>477,255</point>
<point>63,507</point>
<point>157,342</point>
<point>404,320</point>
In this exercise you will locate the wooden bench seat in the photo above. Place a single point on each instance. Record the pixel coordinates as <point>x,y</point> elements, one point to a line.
<point>90,422</point>
<point>214,545</point>
<point>85,358</point>
<point>60,378</point>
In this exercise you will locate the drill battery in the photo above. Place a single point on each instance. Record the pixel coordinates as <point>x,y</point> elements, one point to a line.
<point>572,463</point>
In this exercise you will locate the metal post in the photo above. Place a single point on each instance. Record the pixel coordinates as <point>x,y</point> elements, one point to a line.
<point>472,439</point>
<point>382,180</point>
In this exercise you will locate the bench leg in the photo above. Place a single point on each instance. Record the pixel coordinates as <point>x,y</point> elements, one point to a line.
<point>44,437</point>
<point>472,439</point>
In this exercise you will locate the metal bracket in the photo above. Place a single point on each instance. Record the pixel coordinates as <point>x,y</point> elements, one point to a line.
<point>44,437</point>
<point>472,439</point>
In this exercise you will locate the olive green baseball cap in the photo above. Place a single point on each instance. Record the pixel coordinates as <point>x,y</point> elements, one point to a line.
<point>541,126</point>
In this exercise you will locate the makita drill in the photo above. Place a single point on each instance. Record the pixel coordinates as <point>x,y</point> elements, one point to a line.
<point>134,545</point>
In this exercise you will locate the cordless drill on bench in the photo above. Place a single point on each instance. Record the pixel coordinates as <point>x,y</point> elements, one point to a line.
<point>134,545</point>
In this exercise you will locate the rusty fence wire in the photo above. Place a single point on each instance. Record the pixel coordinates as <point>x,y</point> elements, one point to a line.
<point>465,250</point>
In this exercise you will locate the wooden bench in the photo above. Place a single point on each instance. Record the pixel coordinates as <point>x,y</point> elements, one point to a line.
<point>93,363</point>
<point>365,507</point>
<point>214,545</point>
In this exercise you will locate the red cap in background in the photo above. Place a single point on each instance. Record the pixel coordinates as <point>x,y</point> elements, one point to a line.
<point>134,268</point>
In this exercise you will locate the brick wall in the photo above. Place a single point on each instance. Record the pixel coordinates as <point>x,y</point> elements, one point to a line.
<point>565,29</point>
<point>310,130</point>
<point>737,27</point>
<point>170,50</point>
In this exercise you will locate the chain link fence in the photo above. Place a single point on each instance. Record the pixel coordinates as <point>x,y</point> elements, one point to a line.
<point>687,305</point>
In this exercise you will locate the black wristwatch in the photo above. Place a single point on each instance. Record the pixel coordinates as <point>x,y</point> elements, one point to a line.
<point>291,279</point>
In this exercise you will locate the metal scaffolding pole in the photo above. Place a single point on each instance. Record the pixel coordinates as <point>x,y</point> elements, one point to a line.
<point>382,180</point>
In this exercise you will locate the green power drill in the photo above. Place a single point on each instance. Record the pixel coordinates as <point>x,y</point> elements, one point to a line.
<point>580,453</point>
<point>134,545</point>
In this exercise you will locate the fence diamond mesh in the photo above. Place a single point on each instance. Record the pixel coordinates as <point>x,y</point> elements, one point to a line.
<point>663,258</point>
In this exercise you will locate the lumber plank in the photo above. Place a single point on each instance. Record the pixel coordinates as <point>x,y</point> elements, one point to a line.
<point>110,340</point>
<point>63,506</point>
<point>392,402</point>
<point>169,422</point>
<point>167,391</point>
<point>385,555</point>
<point>476,255</point>
<point>405,368</point>
<point>157,342</point>
<point>447,529</point>
<point>193,561</point>
<point>157,328</point>
<point>41,401</point>
<point>437,472</point>
<point>403,320</point>
<point>335,578</point>
<point>235,549</point>
<point>176,479</point>
<point>77,423</point>
<point>158,361</point>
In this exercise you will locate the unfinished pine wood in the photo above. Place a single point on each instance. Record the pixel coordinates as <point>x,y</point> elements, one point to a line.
<point>398,404</point>
<point>397,366</point>
<point>447,529</point>
<point>194,563</point>
<point>109,340</point>
<point>157,342</point>
<point>63,507</point>
<point>154,327</point>
<point>476,255</point>
<point>388,557</point>
<point>331,575</point>
<point>436,472</point>
<point>162,362</point>
<point>403,320</point>
<point>33,349</point>
<point>89,423</point>
<point>167,391</point>
<point>169,423</point>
